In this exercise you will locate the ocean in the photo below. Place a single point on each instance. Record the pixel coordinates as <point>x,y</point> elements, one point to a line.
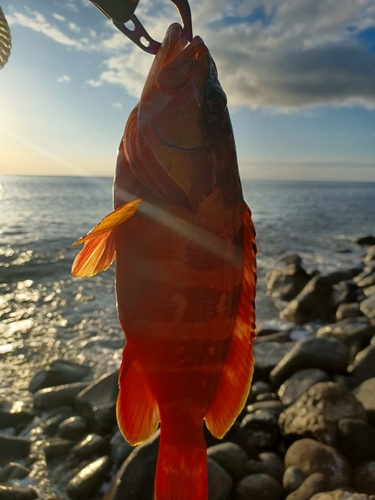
<point>47,314</point>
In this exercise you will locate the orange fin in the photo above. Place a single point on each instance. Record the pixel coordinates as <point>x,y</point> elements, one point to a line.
<point>99,250</point>
<point>181,471</point>
<point>238,369</point>
<point>137,410</point>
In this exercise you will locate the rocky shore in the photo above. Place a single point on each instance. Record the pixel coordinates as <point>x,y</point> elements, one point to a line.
<point>306,432</point>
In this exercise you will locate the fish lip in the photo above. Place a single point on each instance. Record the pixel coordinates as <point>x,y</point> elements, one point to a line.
<point>195,49</point>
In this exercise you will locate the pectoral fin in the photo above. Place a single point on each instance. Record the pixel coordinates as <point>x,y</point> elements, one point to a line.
<point>99,249</point>
<point>238,370</point>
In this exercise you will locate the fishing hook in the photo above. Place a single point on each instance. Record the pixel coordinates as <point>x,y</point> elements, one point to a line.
<point>122,13</point>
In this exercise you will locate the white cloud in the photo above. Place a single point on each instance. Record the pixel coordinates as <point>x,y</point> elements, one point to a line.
<point>94,83</point>
<point>117,105</point>
<point>64,78</point>
<point>74,27</point>
<point>59,17</point>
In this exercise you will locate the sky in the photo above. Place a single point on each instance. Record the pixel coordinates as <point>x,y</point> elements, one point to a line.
<point>299,76</point>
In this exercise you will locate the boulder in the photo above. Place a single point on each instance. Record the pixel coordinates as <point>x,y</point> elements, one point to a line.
<point>317,412</point>
<point>366,240</point>
<point>287,282</point>
<point>267,356</point>
<point>231,457</point>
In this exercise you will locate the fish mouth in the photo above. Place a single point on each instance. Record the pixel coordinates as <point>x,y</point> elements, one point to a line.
<point>180,59</point>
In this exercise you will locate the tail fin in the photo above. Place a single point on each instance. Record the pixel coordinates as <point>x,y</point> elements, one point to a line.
<point>181,472</point>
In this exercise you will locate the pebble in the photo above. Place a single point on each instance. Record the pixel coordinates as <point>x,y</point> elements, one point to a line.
<point>91,446</point>
<point>258,486</point>
<point>231,457</point>
<point>60,372</point>
<point>89,479</point>
<point>73,428</point>
<point>264,427</point>
<point>326,354</point>
<point>61,395</point>
<point>56,447</point>
<point>220,483</point>
<point>14,492</point>
<point>364,478</point>
<point>120,448</point>
<point>299,383</point>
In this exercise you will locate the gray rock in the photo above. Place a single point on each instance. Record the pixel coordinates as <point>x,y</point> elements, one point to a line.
<point>120,448</point>
<point>313,457</point>
<point>264,427</point>
<point>257,388</point>
<point>292,479</point>
<point>312,485</point>
<point>353,332</point>
<point>13,449</point>
<point>291,258</point>
<point>287,282</point>
<point>97,403</point>
<point>356,438</point>
<point>267,356</point>
<point>369,291</point>
<point>13,471</point>
<point>61,372</point>
<point>367,306</point>
<point>14,492</point>
<point>220,483</point>
<point>370,255</point>
<point>363,366</point>
<point>367,282</point>
<point>14,413</point>
<point>327,354</point>
<point>56,447</point>
<point>73,428</point>
<point>345,311</point>
<point>135,479</point>
<point>231,457</point>
<point>91,446</point>
<point>341,495</point>
<point>89,479</point>
<point>268,463</point>
<point>365,394</point>
<point>258,486</point>
<point>366,240</point>
<point>336,277</point>
<point>279,337</point>
<point>317,412</point>
<point>299,383</point>
<point>364,478</point>
<point>61,395</point>
<point>275,407</point>
<point>50,426</point>
<point>316,300</point>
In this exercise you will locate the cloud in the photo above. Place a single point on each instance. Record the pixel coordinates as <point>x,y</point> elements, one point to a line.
<point>117,105</point>
<point>59,17</point>
<point>64,78</point>
<point>94,83</point>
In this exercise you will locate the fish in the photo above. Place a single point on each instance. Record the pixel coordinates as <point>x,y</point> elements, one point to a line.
<point>185,250</point>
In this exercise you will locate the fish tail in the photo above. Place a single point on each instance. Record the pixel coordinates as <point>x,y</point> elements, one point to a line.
<point>181,472</point>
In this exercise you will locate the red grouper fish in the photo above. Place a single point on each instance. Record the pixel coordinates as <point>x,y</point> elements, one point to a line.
<point>185,267</point>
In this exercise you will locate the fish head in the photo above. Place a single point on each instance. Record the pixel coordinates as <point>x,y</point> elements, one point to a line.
<point>183,116</point>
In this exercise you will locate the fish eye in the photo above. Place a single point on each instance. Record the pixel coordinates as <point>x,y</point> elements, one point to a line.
<point>215,99</point>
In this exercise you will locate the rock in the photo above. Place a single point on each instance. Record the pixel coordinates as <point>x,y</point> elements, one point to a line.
<point>257,388</point>
<point>345,311</point>
<point>91,446</point>
<point>51,425</point>
<point>346,292</point>
<point>268,463</point>
<point>73,428</point>
<point>267,356</point>
<point>120,448</point>
<point>366,240</point>
<point>363,366</point>
<point>231,457</point>
<point>341,495</point>
<point>292,479</point>
<point>365,394</point>
<point>370,255</point>
<point>290,258</point>
<point>14,413</point>
<point>287,282</point>
<point>316,300</point>
<point>55,447</point>
<point>279,337</point>
<point>13,471</point>
<point>264,427</point>
<point>364,478</point>
<point>312,457</point>
<point>356,438</point>
<point>275,407</point>
<point>89,479</point>
<point>61,395</point>
<point>317,412</point>
<point>369,291</point>
<point>299,383</point>
<point>97,403</point>
<point>266,396</point>
<point>353,332</point>
<point>367,306</point>
<point>220,483</point>
<point>367,282</point>
<point>61,372</point>
<point>135,479</point>
<point>312,485</point>
<point>241,437</point>
<point>336,277</point>
<point>258,486</point>
<point>327,354</point>
<point>13,448</point>
<point>13,492</point>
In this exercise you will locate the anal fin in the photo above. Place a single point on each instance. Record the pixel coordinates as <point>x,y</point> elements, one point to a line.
<point>238,369</point>
<point>137,410</point>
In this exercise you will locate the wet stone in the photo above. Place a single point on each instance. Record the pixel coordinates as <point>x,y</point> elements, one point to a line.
<point>356,438</point>
<point>267,356</point>
<point>257,388</point>
<point>365,393</point>
<point>326,354</point>
<point>231,457</point>
<point>73,428</point>
<point>299,383</point>
<point>317,412</point>
<point>13,448</point>
<point>50,426</point>
<point>89,479</point>
<point>60,372</point>
<point>90,446</point>
<point>292,479</point>
<point>13,471</point>
<point>120,448</point>
<point>220,483</point>
<point>61,395</point>
<point>56,447</point>
<point>364,478</point>
<point>13,414</point>
<point>275,407</point>
<point>14,492</point>
<point>363,367</point>
<point>258,486</point>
